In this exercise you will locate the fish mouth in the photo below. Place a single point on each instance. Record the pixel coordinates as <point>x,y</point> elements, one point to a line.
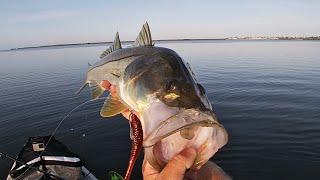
<point>189,128</point>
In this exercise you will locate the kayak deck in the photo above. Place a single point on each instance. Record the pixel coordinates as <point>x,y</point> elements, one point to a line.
<point>39,159</point>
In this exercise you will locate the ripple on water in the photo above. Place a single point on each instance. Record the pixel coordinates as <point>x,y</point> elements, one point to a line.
<point>265,93</point>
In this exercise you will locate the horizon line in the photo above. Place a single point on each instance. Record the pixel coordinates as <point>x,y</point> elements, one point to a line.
<point>161,40</point>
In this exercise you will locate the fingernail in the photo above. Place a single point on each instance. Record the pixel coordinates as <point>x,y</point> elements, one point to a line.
<point>191,156</point>
<point>191,151</point>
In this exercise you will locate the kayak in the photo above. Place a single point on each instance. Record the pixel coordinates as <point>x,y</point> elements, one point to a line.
<point>39,159</point>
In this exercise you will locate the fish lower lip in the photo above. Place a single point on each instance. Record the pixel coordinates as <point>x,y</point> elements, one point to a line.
<point>183,120</point>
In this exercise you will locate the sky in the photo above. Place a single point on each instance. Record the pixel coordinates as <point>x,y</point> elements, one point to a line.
<point>38,22</point>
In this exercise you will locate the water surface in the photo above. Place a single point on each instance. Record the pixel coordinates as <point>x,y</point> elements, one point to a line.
<point>266,94</point>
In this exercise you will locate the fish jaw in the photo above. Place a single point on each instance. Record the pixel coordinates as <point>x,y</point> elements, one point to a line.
<point>168,131</point>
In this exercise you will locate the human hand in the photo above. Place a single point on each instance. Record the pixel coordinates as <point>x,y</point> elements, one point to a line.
<point>178,167</point>
<point>175,169</point>
<point>113,91</point>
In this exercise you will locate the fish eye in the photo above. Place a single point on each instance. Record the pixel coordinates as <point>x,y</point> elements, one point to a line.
<point>170,86</point>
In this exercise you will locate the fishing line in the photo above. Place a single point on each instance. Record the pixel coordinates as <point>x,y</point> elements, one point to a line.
<point>91,100</point>
<point>2,154</point>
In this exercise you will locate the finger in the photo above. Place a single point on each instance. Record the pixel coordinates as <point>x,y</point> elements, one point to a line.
<point>113,91</point>
<point>113,88</point>
<point>178,165</point>
<point>105,84</point>
<point>148,172</point>
<point>126,113</point>
<point>211,170</point>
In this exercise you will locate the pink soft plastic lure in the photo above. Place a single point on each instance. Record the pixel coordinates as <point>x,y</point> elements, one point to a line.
<point>137,138</point>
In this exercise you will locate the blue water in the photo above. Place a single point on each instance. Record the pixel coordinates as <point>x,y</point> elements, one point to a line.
<point>266,94</point>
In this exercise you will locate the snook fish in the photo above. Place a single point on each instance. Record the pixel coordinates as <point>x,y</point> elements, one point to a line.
<point>175,113</point>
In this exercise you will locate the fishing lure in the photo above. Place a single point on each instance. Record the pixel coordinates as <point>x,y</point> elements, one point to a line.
<point>136,146</point>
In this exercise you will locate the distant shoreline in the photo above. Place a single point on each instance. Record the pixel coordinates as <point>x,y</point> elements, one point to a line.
<point>164,40</point>
<point>97,43</point>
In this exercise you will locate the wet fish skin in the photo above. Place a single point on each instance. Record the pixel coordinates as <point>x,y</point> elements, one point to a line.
<point>162,71</point>
<point>162,88</point>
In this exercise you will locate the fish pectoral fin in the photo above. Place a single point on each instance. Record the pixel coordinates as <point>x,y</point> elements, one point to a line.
<point>112,106</point>
<point>144,37</point>
<point>82,87</point>
<point>96,90</point>
<point>115,45</point>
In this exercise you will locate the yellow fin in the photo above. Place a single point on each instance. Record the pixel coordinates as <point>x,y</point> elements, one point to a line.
<point>111,107</point>
<point>96,90</point>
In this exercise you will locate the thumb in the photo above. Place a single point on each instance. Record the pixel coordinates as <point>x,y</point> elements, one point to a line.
<point>178,165</point>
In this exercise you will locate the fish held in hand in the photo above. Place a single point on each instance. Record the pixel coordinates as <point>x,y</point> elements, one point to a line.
<point>156,82</point>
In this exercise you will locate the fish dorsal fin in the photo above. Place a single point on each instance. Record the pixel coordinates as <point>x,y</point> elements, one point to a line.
<point>115,45</point>
<point>144,38</point>
<point>96,90</point>
<point>112,106</point>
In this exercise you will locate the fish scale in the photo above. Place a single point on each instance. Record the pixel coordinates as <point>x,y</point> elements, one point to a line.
<point>156,83</point>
